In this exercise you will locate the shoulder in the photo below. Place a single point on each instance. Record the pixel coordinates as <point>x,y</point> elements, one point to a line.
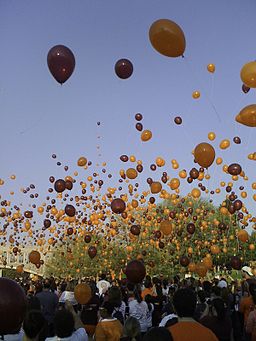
<point>80,334</point>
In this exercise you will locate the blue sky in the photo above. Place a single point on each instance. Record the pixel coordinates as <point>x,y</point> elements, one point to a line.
<point>39,117</point>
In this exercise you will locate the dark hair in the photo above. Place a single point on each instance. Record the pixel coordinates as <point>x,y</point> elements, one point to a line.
<point>158,334</point>
<point>103,276</point>
<point>33,303</point>
<point>137,295</point>
<point>148,284</point>
<point>64,323</point>
<point>108,307</point>
<point>115,296</point>
<point>207,286</point>
<point>252,288</point>
<point>34,324</point>
<point>184,301</point>
<point>149,301</point>
<point>219,306</point>
<point>201,295</point>
<point>165,283</point>
<point>47,284</point>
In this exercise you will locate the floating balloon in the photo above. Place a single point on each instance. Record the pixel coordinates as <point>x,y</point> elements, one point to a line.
<point>236,263</point>
<point>245,89</point>
<point>60,185</point>
<point>243,236</point>
<point>123,68</point>
<point>167,38</point>
<point>196,94</point>
<point>70,210</point>
<point>92,252</point>
<point>135,271</point>
<point>135,230</point>
<point>118,206</point>
<point>131,173</point>
<point>178,120</point>
<point>247,115</point>
<point>12,306</point>
<point>204,154</point>
<point>82,293</point>
<point>211,68</point>
<point>61,63</point>
<point>146,135</point>
<point>191,228</point>
<point>82,161</point>
<point>211,136</point>
<point>138,117</point>
<point>34,257</point>
<point>225,144</point>
<point>155,187</point>
<point>139,126</point>
<point>248,74</point>
<point>201,270</point>
<point>166,227</point>
<point>184,261</point>
<point>234,169</point>
<point>237,140</point>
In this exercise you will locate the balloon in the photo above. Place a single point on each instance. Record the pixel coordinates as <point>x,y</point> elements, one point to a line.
<point>60,185</point>
<point>248,74</point>
<point>92,252</point>
<point>236,263</point>
<point>139,126</point>
<point>245,89</point>
<point>82,293</point>
<point>184,261</point>
<point>47,223</point>
<point>215,249</point>
<point>12,306</point>
<point>34,257</point>
<point>243,236</point>
<point>70,210</point>
<point>69,185</point>
<point>196,193</point>
<point>174,183</point>
<point>82,161</point>
<point>87,238</point>
<point>178,120</point>
<point>211,136</point>
<point>123,68</point>
<point>247,115</point>
<point>167,38</point>
<point>204,154</point>
<point>234,169</point>
<point>61,63</point>
<point>237,140</point>
<point>118,206</point>
<point>135,271</point>
<point>131,173</point>
<point>166,227</point>
<point>211,68</point>
<point>191,228</point>
<point>155,187</point>
<point>146,135</point>
<point>138,117</point>
<point>194,174</point>
<point>124,158</point>
<point>135,230</point>
<point>225,144</point>
<point>201,270</point>
<point>196,94</point>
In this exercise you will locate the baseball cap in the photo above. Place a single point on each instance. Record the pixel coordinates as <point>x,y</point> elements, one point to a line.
<point>248,270</point>
<point>222,284</point>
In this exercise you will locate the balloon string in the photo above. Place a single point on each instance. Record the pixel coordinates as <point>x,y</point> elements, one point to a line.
<point>206,95</point>
<point>32,126</point>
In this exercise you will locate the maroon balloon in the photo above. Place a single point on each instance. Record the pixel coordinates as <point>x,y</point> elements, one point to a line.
<point>237,140</point>
<point>123,68</point>
<point>138,117</point>
<point>70,210</point>
<point>245,88</point>
<point>178,120</point>
<point>236,263</point>
<point>194,173</point>
<point>92,252</point>
<point>47,223</point>
<point>61,63</point>
<point>60,185</point>
<point>135,230</point>
<point>234,169</point>
<point>12,306</point>
<point>191,228</point>
<point>238,204</point>
<point>87,238</point>
<point>118,206</point>
<point>222,226</point>
<point>124,158</point>
<point>69,185</point>
<point>135,271</point>
<point>139,126</point>
<point>184,261</point>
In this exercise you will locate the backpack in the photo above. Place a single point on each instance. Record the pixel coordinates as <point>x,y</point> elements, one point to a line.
<point>118,315</point>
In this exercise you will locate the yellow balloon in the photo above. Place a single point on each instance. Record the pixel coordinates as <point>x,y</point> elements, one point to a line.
<point>247,115</point>
<point>211,68</point>
<point>156,187</point>
<point>211,136</point>
<point>131,173</point>
<point>132,158</point>
<point>219,161</point>
<point>183,174</point>
<point>196,94</point>
<point>174,183</point>
<point>160,162</point>
<point>82,161</point>
<point>248,74</point>
<point>196,193</point>
<point>146,135</point>
<point>225,144</point>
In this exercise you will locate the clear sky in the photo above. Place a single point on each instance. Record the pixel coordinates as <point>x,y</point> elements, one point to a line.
<point>39,117</point>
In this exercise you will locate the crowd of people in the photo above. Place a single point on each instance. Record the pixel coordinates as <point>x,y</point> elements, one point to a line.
<point>158,309</point>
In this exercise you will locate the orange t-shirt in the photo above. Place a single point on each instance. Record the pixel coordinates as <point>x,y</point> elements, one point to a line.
<point>246,306</point>
<point>108,330</point>
<point>147,291</point>
<point>191,331</point>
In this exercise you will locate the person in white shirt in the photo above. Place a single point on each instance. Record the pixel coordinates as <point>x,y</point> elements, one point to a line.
<point>103,285</point>
<point>138,309</point>
<point>65,321</point>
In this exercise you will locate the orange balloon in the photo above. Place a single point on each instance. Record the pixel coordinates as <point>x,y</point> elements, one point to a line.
<point>207,262</point>
<point>174,183</point>
<point>146,135</point>
<point>192,267</point>
<point>204,154</point>
<point>196,94</point>
<point>248,74</point>
<point>211,136</point>
<point>131,173</point>
<point>156,187</point>
<point>196,193</point>
<point>201,269</point>
<point>167,38</point>
<point>82,293</point>
<point>166,227</point>
<point>243,236</point>
<point>211,68</point>
<point>215,249</point>
<point>82,161</point>
<point>247,115</point>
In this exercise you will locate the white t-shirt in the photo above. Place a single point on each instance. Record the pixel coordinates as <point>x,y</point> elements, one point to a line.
<point>149,315</point>
<point>68,296</point>
<point>14,337</point>
<point>103,286</point>
<point>79,335</point>
<point>166,319</point>
<point>139,311</point>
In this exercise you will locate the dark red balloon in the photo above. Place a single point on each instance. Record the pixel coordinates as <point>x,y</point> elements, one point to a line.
<point>138,117</point>
<point>87,238</point>
<point>234,169</point>
<point>222,226</point>
<point>135,230</point>
<point>118,206</point>
<point>60,185</point>
<point>135,271</point>
<point>47,223</point>
<point>237,140</point>
<point>70,210</point>
<point>12,306</point>
<point>178,120</point>
<point>236,263</point>
<point>184,261</point>
<point>245,88</point>
<point>139,126</point>
<point>61,63</point>
<point>123,68</point>
<point>191,228</point>
<point>92,252</point>
<point>69,185</point>
<point>124,158</point>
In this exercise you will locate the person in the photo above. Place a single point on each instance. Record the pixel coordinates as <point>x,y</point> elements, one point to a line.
<point>34,326</point>
<point>103,285</point>
<point>149,300</point>
<point>138,309</point>
<point>115,298</point>
<point>68,294</point>
<point>148,288</point>
<point>246,303</point>
<point>201,305</point>
<point>49,302</point>
<point>187,329</point>
<point>131,330</point>
<point>108,328</point>
<point>158,334</point>
<point>217,319</point>
<point>251,321</point>
<point>247,273</point>
<point>65,321</point>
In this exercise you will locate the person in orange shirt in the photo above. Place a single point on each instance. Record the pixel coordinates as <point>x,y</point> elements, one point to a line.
<point>108,328</point>
<point>247,304</point>
<point>187,329</point>
<point>148,290</point>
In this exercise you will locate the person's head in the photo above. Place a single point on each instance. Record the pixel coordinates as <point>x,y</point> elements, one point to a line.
<point>201,296</point>
<point>63,323</point>
<point>216,290</point>
<point>218,308</point>
<point>184,301</point>
<point>158,334</point>
<point>47,284</point>
<point>252,289</point>
<point>247,272</point>
<point>132,327</point>
<point>12,306</point>
<point>148,284</point>
<point>115,296</point>
<point>207,286</point>
<point>103,277</point>
<point>33,303</point>
<point>34,325</point>
<point>106,310</point>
